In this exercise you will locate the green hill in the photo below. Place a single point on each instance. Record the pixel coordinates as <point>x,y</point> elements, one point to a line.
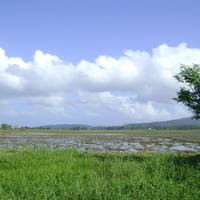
<point>183,123</point>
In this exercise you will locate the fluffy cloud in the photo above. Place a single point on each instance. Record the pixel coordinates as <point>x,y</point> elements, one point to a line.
<point>138,85</point>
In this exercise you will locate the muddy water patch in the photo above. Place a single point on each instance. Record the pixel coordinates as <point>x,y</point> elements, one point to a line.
<point>101,142</point>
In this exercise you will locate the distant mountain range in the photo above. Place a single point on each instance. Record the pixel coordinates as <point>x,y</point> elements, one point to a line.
<point>67,126</point>
<point>183,123</point>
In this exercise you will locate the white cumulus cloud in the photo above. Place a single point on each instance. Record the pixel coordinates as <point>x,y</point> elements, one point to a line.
<point>138,85</point>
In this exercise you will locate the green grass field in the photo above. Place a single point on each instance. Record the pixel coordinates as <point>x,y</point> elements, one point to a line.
<point>71,174</point>
<point>193,134</point>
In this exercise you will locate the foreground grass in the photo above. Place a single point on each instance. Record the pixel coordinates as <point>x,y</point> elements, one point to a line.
<point>70,174</point>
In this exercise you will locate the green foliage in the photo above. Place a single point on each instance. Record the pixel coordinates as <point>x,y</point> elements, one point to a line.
<point>69,174</point>
<point>189,93</point>
<point>6,126</point>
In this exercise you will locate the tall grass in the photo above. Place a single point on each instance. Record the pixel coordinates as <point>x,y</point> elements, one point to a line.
<point>70,174</point>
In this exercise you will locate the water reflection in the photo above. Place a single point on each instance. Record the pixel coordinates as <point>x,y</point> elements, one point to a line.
<point>100,142</point>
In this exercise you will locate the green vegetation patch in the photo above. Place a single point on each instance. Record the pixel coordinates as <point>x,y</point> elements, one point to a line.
<point>71,174</point>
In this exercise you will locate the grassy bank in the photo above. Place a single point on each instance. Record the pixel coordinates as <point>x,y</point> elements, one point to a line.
<point>70,174</point>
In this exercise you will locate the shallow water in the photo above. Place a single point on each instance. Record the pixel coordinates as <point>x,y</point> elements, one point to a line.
<point>100,142</point>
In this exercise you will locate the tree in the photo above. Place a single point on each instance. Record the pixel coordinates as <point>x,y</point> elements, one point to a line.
<point>6,126</point>
<point>189,93</point>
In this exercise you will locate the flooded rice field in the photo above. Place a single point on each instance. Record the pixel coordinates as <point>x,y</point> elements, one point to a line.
<point>101,142</point>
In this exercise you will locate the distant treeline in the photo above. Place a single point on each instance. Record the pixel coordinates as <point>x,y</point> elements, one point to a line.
<point>184,123</point>
<point>123,128</point>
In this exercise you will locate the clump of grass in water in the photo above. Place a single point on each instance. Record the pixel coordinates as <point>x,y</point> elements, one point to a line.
<point>71,174</point>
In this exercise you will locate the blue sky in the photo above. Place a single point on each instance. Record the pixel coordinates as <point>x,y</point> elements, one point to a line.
<point>86,30</point>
